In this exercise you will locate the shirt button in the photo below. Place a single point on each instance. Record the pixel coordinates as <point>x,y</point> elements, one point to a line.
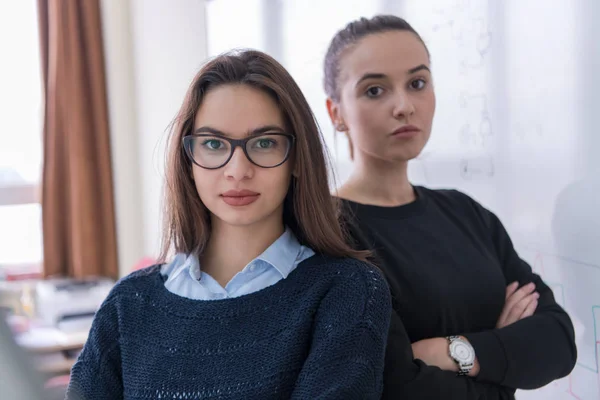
<point>252,268</point>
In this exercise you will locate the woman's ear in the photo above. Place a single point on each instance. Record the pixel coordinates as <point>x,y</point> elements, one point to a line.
<point>333,109</point>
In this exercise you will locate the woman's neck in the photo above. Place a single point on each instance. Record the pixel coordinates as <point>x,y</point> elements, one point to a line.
<point>231,248</point>
<point>380,183</point>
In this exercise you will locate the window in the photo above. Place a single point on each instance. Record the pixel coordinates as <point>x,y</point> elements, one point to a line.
<point>20,137</point>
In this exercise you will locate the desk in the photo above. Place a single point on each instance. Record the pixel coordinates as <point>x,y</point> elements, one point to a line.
<point>54,351</point>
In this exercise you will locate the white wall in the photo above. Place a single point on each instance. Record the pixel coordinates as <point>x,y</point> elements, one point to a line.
<point>153,48</point>
<point>123,129</point>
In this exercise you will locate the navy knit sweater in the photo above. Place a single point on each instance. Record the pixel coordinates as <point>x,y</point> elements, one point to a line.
<point>318,334</point>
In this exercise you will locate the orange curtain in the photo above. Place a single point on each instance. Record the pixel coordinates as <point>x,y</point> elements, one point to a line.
<point>78,216</point>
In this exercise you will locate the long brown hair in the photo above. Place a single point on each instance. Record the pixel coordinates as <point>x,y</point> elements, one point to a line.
<point>309,209</point>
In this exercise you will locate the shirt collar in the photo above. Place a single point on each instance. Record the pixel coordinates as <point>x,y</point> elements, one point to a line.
<point>182,263</point>
<point>282,253</point>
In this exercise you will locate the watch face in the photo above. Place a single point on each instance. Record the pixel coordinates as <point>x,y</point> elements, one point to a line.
<point>462,352</point>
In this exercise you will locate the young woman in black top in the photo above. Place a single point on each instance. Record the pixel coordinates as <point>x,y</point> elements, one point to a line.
<point>470,319</point>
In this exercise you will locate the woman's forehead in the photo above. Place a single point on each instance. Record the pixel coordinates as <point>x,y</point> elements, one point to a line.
<point>237,109</point>
<point>390,53</point>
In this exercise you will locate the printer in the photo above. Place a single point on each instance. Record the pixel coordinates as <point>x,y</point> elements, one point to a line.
<point>70,304</point>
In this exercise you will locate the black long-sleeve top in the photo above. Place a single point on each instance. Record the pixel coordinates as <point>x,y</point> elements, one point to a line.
<point>448,261</point>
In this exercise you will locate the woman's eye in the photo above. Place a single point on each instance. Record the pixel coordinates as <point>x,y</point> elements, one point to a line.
<point>265,144</point>
<point>418,84</point>
<point>212,144</point>
<point>374,91</point>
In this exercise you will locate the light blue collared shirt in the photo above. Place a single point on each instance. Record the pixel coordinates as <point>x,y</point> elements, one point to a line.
<point>186,279</point>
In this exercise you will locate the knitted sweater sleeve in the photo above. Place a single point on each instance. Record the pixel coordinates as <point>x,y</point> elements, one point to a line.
<point>349,336</point>
<point>97,372</point>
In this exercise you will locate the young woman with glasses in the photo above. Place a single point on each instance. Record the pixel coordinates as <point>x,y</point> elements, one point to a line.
<point>263,298</point>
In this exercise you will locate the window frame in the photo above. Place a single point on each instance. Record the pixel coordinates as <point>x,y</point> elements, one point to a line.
<point>19,194</point>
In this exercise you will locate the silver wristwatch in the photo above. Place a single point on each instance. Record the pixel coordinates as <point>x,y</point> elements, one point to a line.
<point>462,353</point>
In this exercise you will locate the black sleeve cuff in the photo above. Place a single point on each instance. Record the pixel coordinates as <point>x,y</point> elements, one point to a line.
<point>491,356</point>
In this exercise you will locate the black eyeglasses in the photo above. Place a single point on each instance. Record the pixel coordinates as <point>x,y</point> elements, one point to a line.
<point>214,151</point>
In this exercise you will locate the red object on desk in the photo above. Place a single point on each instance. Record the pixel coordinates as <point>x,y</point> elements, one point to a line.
<point>21,276</point>
<point>21,272</point>
<point>58,381</point>
<point>144,262</point>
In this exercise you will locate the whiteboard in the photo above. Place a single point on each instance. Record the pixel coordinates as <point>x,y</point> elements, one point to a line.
<point>517,96</point>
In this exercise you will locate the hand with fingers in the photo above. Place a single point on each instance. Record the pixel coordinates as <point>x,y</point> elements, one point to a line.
<point>519,303</point>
